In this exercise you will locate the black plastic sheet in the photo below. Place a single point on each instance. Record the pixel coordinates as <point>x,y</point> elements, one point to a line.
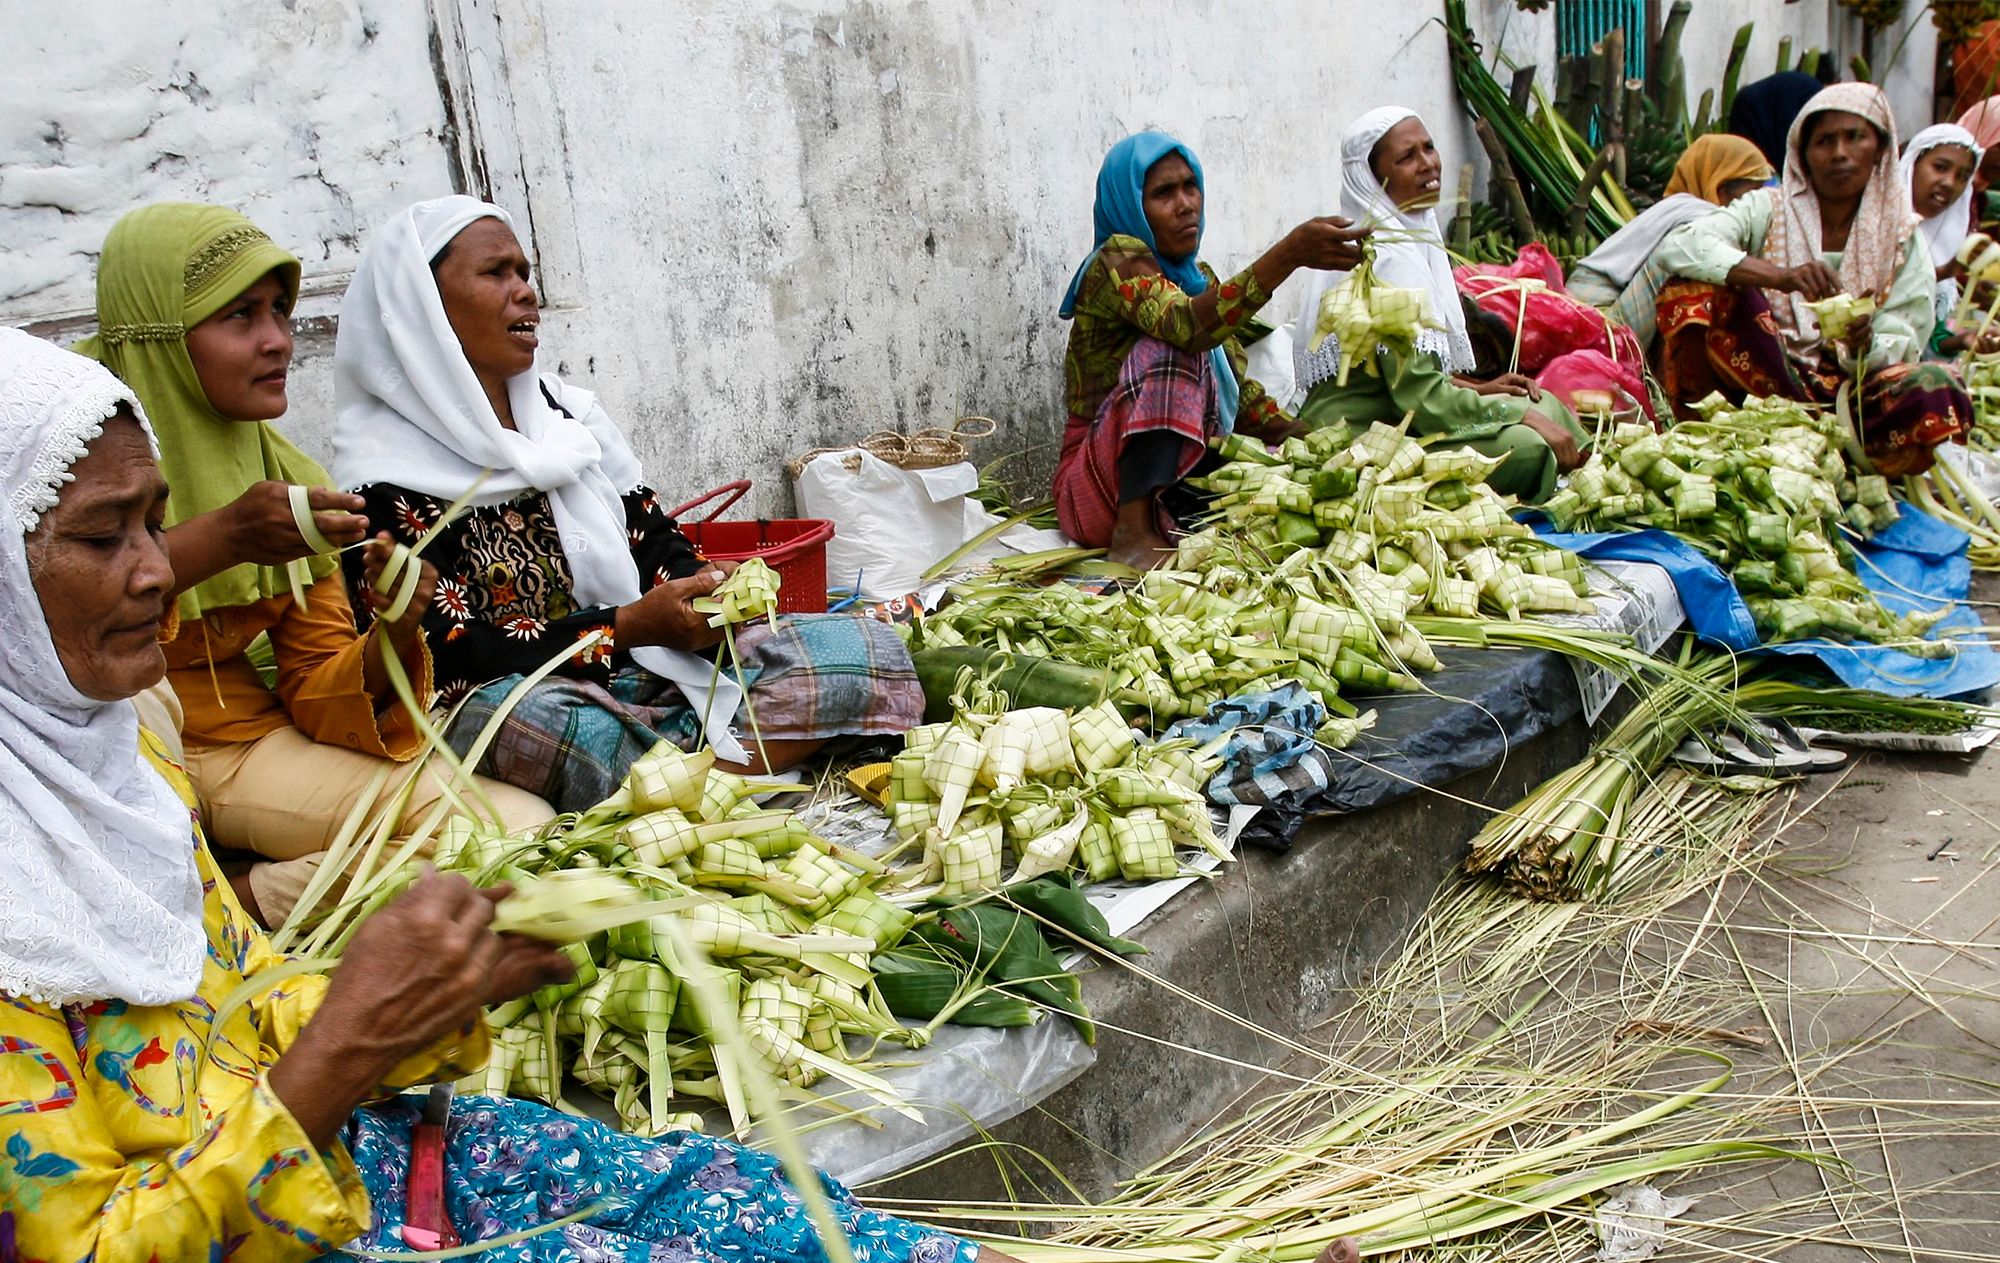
<point>1480,705</point>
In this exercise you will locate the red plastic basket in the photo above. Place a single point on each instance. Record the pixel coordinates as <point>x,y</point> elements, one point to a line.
<point>794,547</point>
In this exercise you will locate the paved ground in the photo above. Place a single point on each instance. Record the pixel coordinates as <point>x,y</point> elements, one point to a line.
<point>1876,930</point>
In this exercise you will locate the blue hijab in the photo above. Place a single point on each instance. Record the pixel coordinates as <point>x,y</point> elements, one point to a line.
<point>1121,211</point>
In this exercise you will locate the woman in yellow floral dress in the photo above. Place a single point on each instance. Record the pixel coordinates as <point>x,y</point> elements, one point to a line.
<point>156,1102</point>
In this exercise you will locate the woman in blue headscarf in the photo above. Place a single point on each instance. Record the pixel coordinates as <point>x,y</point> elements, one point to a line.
<point>1155,368</point>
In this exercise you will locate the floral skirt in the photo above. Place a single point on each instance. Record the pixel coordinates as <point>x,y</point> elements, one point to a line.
<point>1715,338</point>
<point>683,1198</point>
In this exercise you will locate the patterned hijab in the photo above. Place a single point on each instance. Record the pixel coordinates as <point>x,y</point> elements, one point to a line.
<point>99,895</point>
<point>164,270</point>
<point>1120,210</point>
<point>1883,223</point>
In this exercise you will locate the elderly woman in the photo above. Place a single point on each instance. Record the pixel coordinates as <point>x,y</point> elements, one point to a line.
<point>158,1110</point>
<point>1938,165</point>
<point>564,552</point>
<point>1840,222</point>
<point>194,313</point>
<point>1155,363</point>
<point>1623,276</point>
<point>1389,179</point>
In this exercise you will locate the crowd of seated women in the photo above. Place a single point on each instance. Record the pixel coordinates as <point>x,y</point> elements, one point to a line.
<point>179,652</point>
<point>1809,195</point>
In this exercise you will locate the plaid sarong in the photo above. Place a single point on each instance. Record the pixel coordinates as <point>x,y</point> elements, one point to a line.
<point>1160,388</point>
<point>818,676</point>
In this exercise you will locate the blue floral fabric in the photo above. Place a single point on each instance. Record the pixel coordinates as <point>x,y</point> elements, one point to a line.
<point>682,1198</point>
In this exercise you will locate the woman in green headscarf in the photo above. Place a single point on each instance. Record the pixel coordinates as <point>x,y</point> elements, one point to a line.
<point>194,313</point>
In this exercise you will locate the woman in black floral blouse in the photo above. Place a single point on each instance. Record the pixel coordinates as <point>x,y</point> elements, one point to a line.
<point>436,386</point>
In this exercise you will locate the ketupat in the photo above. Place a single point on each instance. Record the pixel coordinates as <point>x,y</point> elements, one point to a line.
<point>1764,491</point>
<point>622,890</point>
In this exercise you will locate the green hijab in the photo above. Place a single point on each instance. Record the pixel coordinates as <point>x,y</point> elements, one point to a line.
<point>165,269</point>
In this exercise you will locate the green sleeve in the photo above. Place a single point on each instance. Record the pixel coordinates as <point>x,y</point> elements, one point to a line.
<point>1903,326</point>
<point>1414,384</point>
<point>1125,285</point>
<point>1706,249</point>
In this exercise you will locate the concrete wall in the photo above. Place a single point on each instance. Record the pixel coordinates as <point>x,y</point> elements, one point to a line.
<point>762,227</point>
<point>314,117</point>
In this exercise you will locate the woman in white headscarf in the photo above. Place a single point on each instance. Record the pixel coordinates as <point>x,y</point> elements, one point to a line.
<point>1839,222</point>
<point>437,385</point>
<point>1389,180</point>
<point>1938,167</point>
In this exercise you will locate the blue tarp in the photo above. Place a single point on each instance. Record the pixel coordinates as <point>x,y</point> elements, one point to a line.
<point>1919,563</point>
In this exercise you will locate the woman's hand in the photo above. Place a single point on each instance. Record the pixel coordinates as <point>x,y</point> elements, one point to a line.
<point>403,632</point>
<point>263,530</point>
<point>1811,280</point>
<point>665,616</point>
<point>418,970</point>
<point>524,964</point>
<point>1568,452</point>
<point>1515,384</point>
<point>1328,242</point>
<point>1859,337</point>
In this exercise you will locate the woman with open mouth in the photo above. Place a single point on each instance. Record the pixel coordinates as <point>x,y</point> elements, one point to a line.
<point>563,545</point>
<point>1389,181</point>
<point>194,310</point>
<point>1839,223</point>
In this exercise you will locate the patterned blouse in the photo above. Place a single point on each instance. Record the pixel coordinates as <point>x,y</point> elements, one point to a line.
<point>1124,298</point>
<point>152,1133</point>
<point>504,602</point>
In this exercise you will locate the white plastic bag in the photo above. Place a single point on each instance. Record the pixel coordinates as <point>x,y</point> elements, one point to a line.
<point>889,524</point>
<point>1269,364</point>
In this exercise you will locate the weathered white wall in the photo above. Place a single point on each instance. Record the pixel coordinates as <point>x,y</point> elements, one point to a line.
<point>313,117</point>
<point>762,226</point>
<point>797,223</point>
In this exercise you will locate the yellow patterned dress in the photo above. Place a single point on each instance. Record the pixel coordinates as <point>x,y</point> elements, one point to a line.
<point>153,1134</point>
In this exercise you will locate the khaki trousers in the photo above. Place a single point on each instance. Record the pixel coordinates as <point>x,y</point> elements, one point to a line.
<point>286,797</point>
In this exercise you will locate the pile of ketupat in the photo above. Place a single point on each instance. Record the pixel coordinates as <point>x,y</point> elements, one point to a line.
<point>1326,558</point>
<point>1765,491</point>
<point>1064,790</point>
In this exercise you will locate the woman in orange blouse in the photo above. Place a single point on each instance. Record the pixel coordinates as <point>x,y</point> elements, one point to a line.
<point>194,313</point>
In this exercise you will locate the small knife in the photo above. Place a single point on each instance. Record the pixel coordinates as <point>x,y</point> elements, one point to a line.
<point>426,1222</point>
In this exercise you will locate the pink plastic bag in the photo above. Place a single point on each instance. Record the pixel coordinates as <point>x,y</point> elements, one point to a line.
<point>1579,371</point>
<point>1528,295</point>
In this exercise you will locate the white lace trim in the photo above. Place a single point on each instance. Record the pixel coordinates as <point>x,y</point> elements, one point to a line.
<point>87,401</point>
<point>1313,367</point>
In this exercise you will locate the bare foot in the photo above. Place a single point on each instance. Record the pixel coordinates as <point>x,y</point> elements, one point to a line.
<point>1135,539</point>
<point>1341,1251</point>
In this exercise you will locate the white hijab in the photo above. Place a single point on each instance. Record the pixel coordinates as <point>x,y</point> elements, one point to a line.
<point>1413,264</point>
<point>1945,231</point>
<point>411,412</point>
<point>100,898</point>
